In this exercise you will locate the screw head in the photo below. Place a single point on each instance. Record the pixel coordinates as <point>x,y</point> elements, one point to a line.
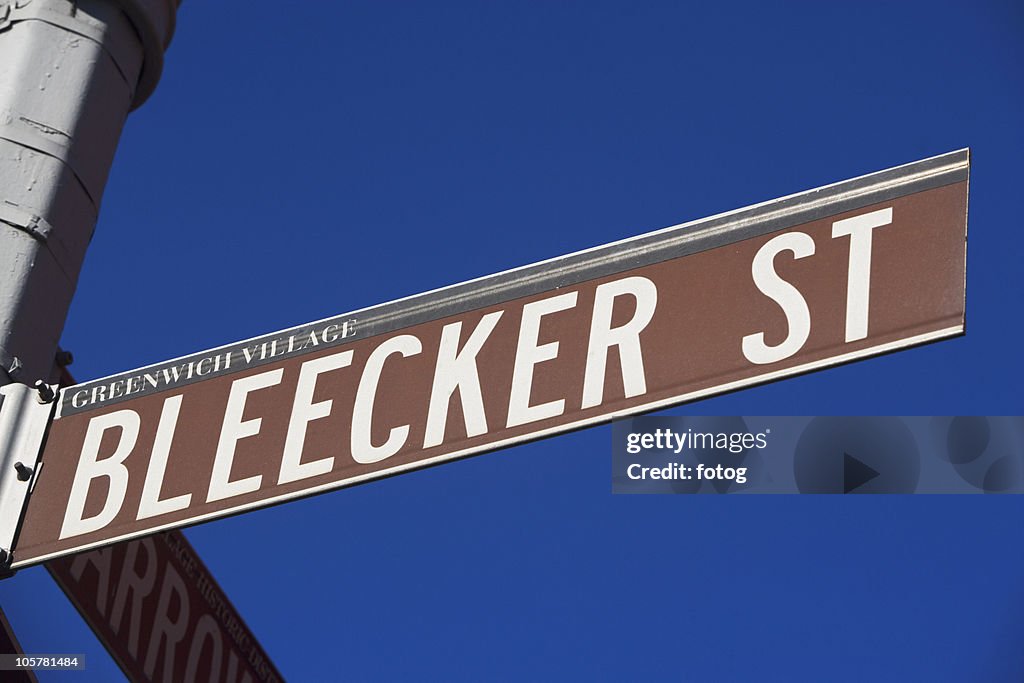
<point>46,393</point>
<point>23,470</point>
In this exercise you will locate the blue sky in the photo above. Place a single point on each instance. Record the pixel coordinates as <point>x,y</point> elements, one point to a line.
<point>300,160</point>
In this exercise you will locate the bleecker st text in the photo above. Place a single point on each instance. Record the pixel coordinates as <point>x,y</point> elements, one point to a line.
<point>113,436</point>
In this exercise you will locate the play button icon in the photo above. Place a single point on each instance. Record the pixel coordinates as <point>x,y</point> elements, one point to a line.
<point>856,473</point>
<point>856,455</point>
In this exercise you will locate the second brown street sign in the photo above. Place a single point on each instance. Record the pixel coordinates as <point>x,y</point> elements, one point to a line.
<point>823,277</point>
<point>161,614</point>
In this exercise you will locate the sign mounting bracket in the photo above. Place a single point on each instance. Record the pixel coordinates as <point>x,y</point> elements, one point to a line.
<point>25,414</point>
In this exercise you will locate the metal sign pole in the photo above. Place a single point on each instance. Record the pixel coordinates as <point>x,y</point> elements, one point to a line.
<point>69,74</point>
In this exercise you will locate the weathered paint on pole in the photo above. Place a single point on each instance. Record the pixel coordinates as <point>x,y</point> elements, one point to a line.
<point>69,74</point>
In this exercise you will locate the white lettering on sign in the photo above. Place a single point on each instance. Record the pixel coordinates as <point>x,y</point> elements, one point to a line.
<point>788,297</point>
<point>304,411</point>
<point>455,371</point>
<point>208,366</point>
<point>363,451</point>
<point>859,229</point>
<point>798,317</point>
<point>538,345</point>
<point>528,354</point>
<point>235,429</point>
<point>626,338</point>
<point>151,505</point>
<point>91,467</point>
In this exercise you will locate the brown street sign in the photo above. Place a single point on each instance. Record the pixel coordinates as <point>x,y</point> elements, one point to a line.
<point>159,612</point>
<point>823,277</point>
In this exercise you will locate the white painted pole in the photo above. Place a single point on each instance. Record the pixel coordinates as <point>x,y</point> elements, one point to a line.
<point>70,71</point>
